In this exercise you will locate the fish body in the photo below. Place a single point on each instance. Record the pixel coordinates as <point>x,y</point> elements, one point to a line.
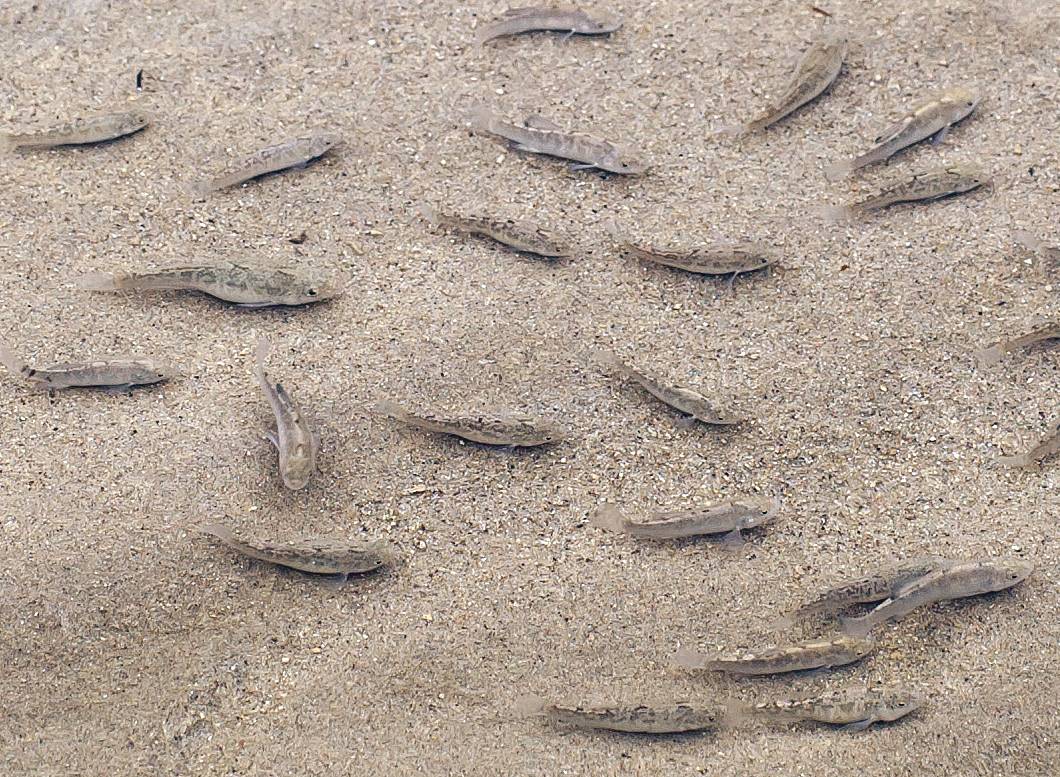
<point>514,234</point>
<point>1048,446</point>
<point>271,159</point>
<point>519,20</point>
<point>930,117</point>
<point>994,352</point>
<point>637,719</point>
<point>102,373</point>
<point>923,187</point>
<point>716,259</point>
<point>93,129</point>
<point>837,651</point>
<point>815,72</point>
<point>729,518</point>
<point>875,587</point>
<point>954,582</point>
<point>540,136</point>
<point>503,428</point>
<point>685,400</point>
<point>296,444</point>
<point>319,556</point>
<point>853,708</point>
<point>242,284</point>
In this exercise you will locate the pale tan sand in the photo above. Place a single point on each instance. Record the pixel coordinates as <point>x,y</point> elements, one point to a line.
<point>133,645</point>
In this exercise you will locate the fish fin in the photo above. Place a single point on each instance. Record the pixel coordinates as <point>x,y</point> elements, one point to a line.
<point>100,281</point>
<point>783,623</point>
<point>336,581</point>
<point>858,725</point>
<point>888,133</point>
<point>837,214</point>
<point>11,361</point>
<point>488,32</point>
<point>261,353</point>
<point>218,530</point>
<point>687,658</point>
<point>529,705</point>
<point>480,118</point>
<point>838,170</point>
<point>733,130</point>
<point>582,166</point>
<point>272,437</point>
<point>539,122</point>
<point>940,136</point>
<point>1027,240</point>
<point>429,214</point>
<point>733,540</point>
<point>856,626</point>
<point>685,421</point>
<point>609,518</point>
<point>1020,461</point>
<point>601,357</point>
<point>988,357</point>
<point>7,144</point>
<point>388,409</point>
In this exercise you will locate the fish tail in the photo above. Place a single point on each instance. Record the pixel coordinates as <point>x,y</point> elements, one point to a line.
<point>261,353</point>
<point>1027,240</point>
<point>687,658</point>
<point>988,357</point>
<point>218,530</point>
<point>1020,461</point>
<point>857,626</point>
<point>734,130</point>
<point>199,189</point>
<point>480,118</point>
<point>604,358</point>
<point>429,213</point>
<point>8,143</point>
<point>488,32</point>
<point>388,409</point>
<point>102,281</point>
<point>609,518</point>
<point>839,170</point>
<point>529,705</point>
<point>783,623</point>
<point>11,361</point>
<point>837,214</point>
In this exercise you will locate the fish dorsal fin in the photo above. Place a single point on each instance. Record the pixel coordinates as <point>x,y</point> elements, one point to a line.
<point>891,132</point>
<point>538,122</point>
<point>513,13</point>
<point>914,584</point>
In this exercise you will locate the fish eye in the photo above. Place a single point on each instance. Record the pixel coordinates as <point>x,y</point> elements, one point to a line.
<point>311,292</point>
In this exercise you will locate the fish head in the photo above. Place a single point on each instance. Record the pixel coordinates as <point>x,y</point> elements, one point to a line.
<point>160,371</point>
<point>551,434</point>
<point>1012,573</point>
<point>378,553</point>
<point>321,144</point>
<point>598,25</point>
<point>897,704</point>
<point>964,100</point>
<point>319,289</point>
<point>297,469</point>
<point>131,122</point>
<point>760,510</point>
<point>623,161</point>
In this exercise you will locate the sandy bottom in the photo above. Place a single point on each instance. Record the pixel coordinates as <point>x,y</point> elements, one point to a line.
<point>132,644</point>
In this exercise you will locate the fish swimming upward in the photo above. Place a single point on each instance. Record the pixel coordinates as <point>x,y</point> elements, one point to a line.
<point>519,20</point>
<point>297,152</point>
<point>931,117</point>
<point>296,444</point>
<point>923,187</point>
<point>635,719</point>
<point>98,373</point>
<point>92,129</point>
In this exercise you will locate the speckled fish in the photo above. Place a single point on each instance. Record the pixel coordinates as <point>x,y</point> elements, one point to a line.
<point>837,651</point>
<point>519,20</point>
<point>245,285</point>
<point>635,719</point>
<point>932,117</point>
<point>514,234</point>
<point>296,444</point>
<point>94,129</point>
<point>319,556</point>
<point>291,153</point>
<point>1048,446</point>
<point>814,73</point>
<point>101,373</point>
<point>502,428</point>
<point>875,587</point>
<point>994,352</point>
<point>716,259</point>
<point>728,518</point>
<point>954,582</point>
<point>922,187</point>
<point>855,709</point>
<point>684,400</point>
<point>541,136</point>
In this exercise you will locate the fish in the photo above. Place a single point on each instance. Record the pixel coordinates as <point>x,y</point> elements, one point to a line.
<point>958,581</point>
<point>1048,446</point>
<point>853,708</point>
<point>296,152</point>
<point>78,132</point>
<point>514,234</point>
<point>242,284</point>
<point>931,117</point>
<point>319,556</point>
<point>875,587</point>
<point>835,651</point>
<point>538,135</point>
<point>713,259</point>
<point>519,20</point>
<point>296,444</point>
<point>728,518</point>
<point>815,72</point>
<point>993,353</point>
<point>504,428</point>
<point>924,186</point>
<point>635,718</point>
<point>680,398</point>
<point>98,373</point>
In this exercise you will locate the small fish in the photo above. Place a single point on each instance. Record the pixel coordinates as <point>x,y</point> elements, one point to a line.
<point>728,518</point>
<point>541,136</point>
<point>814,73</point>
<point>245,285</point>
<point>836,651</point>
<point>931,117</point>
<point>875,587</point>
<point>855,709</point>
<point>715,259</point>
<point>636,719</point>
<point>519,20</point>
<point>94,129</point>
<point>113,373</point>
<point>514,234</point>
<point>271,159</point>
<point>503,428</point>
<point>954,582</point>
<point>994,352</point>
<point>317,555</point>
<point>925,186</point>
<point>684,400</point>
<point>1048,446</point>
<point>295,443</point>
